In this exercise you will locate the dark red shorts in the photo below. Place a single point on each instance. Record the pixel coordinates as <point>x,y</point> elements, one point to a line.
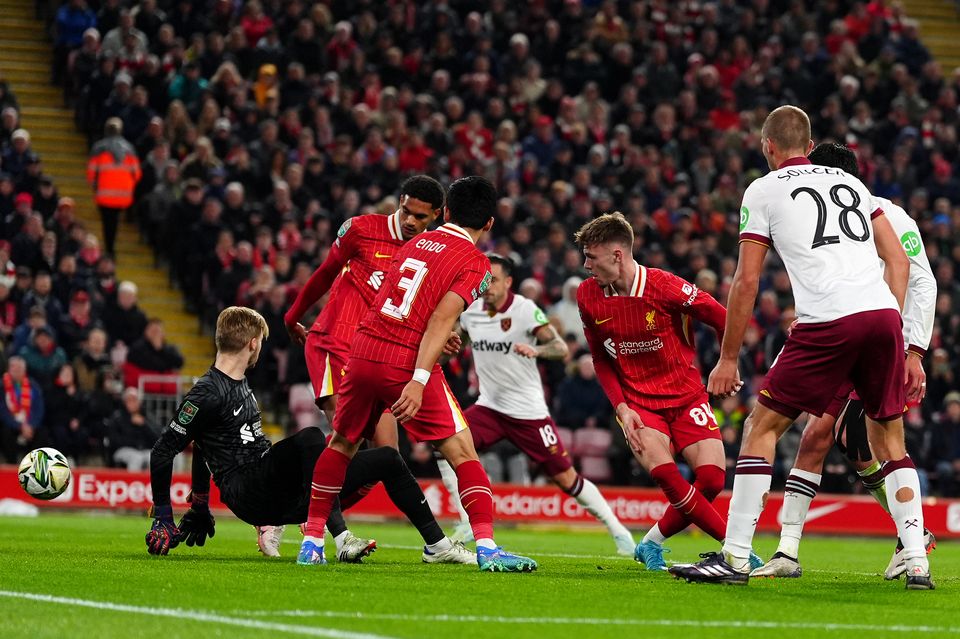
<point>684,426</point>
<point>324,365</point>
<point>369,388</point>
<point>536,438</point>
<point>819,361</point>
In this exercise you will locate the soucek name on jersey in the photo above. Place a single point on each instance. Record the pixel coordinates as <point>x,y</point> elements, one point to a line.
<point>509,383</point>
<point>221,417</point>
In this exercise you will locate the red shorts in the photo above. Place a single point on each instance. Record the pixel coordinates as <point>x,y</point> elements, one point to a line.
<point>684,426</point>
<point>369,388</point>
<point>536,438</point>
<point>864,350</point>
<point>324,365</point>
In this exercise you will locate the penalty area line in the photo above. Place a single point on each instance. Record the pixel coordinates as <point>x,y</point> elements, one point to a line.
<point>191,615</point>
<point>599,621</point>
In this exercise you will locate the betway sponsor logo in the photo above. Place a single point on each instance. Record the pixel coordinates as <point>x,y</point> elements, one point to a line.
<point>485,346</point>
<point>632,348</point>
<point>517,504</point>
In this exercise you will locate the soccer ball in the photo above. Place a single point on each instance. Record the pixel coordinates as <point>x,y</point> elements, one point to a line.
<point>44,473</point>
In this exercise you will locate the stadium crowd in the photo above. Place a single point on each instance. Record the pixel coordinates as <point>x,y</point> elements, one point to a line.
<point>262,126</point>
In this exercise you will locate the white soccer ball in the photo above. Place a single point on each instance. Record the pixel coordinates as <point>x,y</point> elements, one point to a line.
<point>44,473</point>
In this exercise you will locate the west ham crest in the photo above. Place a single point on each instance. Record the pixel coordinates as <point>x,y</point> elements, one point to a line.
<point>505,324</point>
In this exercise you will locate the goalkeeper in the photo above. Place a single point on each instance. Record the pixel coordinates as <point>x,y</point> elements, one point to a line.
<point>264,485</point>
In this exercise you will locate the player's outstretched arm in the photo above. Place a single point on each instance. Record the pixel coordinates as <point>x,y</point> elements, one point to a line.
<point>164,535</point>
<point>725,379</point>
<point>317,286</point>
<point>896,269</point>
<point>438,331</point>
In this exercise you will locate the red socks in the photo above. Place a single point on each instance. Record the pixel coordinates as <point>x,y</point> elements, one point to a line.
<point>690,504</point>
<point>476,497</point>
<point>328,476</point>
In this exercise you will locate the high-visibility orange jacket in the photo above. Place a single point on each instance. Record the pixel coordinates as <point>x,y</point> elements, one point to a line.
<point>113,171</point>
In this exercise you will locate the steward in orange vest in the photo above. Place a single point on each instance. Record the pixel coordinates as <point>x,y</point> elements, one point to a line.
<point>113,171</point>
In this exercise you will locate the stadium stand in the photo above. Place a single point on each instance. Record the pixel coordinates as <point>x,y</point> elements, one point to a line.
<point>262,127</point>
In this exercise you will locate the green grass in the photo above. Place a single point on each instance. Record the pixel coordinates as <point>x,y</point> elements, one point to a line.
<point>581,589</point>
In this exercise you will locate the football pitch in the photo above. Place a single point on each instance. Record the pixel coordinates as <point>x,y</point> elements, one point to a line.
<point>82,575</point>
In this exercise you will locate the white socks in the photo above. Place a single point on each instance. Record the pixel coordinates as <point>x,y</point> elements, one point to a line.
<point>655,535</point>
<point>903,497</point>
<point>800,490</point>
<point>590,498</point>
<point>750,488</point>
<point>441,546</point>
<point>449,477</point>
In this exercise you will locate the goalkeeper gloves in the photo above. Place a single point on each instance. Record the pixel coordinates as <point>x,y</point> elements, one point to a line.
<point>163,534</point>
<point>197,523</point>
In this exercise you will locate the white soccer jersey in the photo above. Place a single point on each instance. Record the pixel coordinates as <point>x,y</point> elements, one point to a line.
<point>920,305</point>
<point>509,383</point>
<point>818,220</point>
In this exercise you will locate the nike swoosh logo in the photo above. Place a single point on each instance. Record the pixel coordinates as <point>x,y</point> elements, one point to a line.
<point>599,322</point>
<point>381,256</point>
<point>424,501</point>
<point>237,412</point>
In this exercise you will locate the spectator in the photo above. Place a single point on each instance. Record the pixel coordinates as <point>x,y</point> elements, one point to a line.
<point>21,413</point>
<point>18,155</point>
<point>113,172</point>
<point>43,357</point>
<point>77,324</point>
<point>72,20</point>
<point>151,354</point>
<point>93,361</point>
<point>41,295</point>
<point>567,313</point>
<point>130,435</point>
<point>122,317</point>
<point>947,444</point>
<point>580,399</point>
<point>66,416</point>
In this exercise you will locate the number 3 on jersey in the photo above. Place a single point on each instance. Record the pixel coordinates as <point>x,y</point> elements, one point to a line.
<point>410,285</point>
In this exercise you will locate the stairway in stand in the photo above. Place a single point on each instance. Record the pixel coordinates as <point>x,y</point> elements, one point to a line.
<point>939,30</point>
<point>25,59</point>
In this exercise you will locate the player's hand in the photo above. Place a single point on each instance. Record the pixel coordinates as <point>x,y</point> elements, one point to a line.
<point>631,424</point>
<point>453,345</point>
<point>297,333</point>
<point>409,403</point>
<point>525,350</point>
<point>915,379</point>
<point>163,535</point>
<point>724,380</point>
<point>197,523</point>
<point>792,326</point>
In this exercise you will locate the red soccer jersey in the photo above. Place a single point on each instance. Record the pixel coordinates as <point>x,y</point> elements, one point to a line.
<point>353,272</point>
<point>424,270</point>
<point>642,344</point>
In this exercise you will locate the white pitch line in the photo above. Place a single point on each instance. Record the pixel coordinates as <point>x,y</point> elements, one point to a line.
<point>595,621</point>
<point>538,554</point>
<point>192,615</point>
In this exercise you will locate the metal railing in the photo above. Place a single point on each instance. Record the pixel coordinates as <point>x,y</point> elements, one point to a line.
<point>161,407</point>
